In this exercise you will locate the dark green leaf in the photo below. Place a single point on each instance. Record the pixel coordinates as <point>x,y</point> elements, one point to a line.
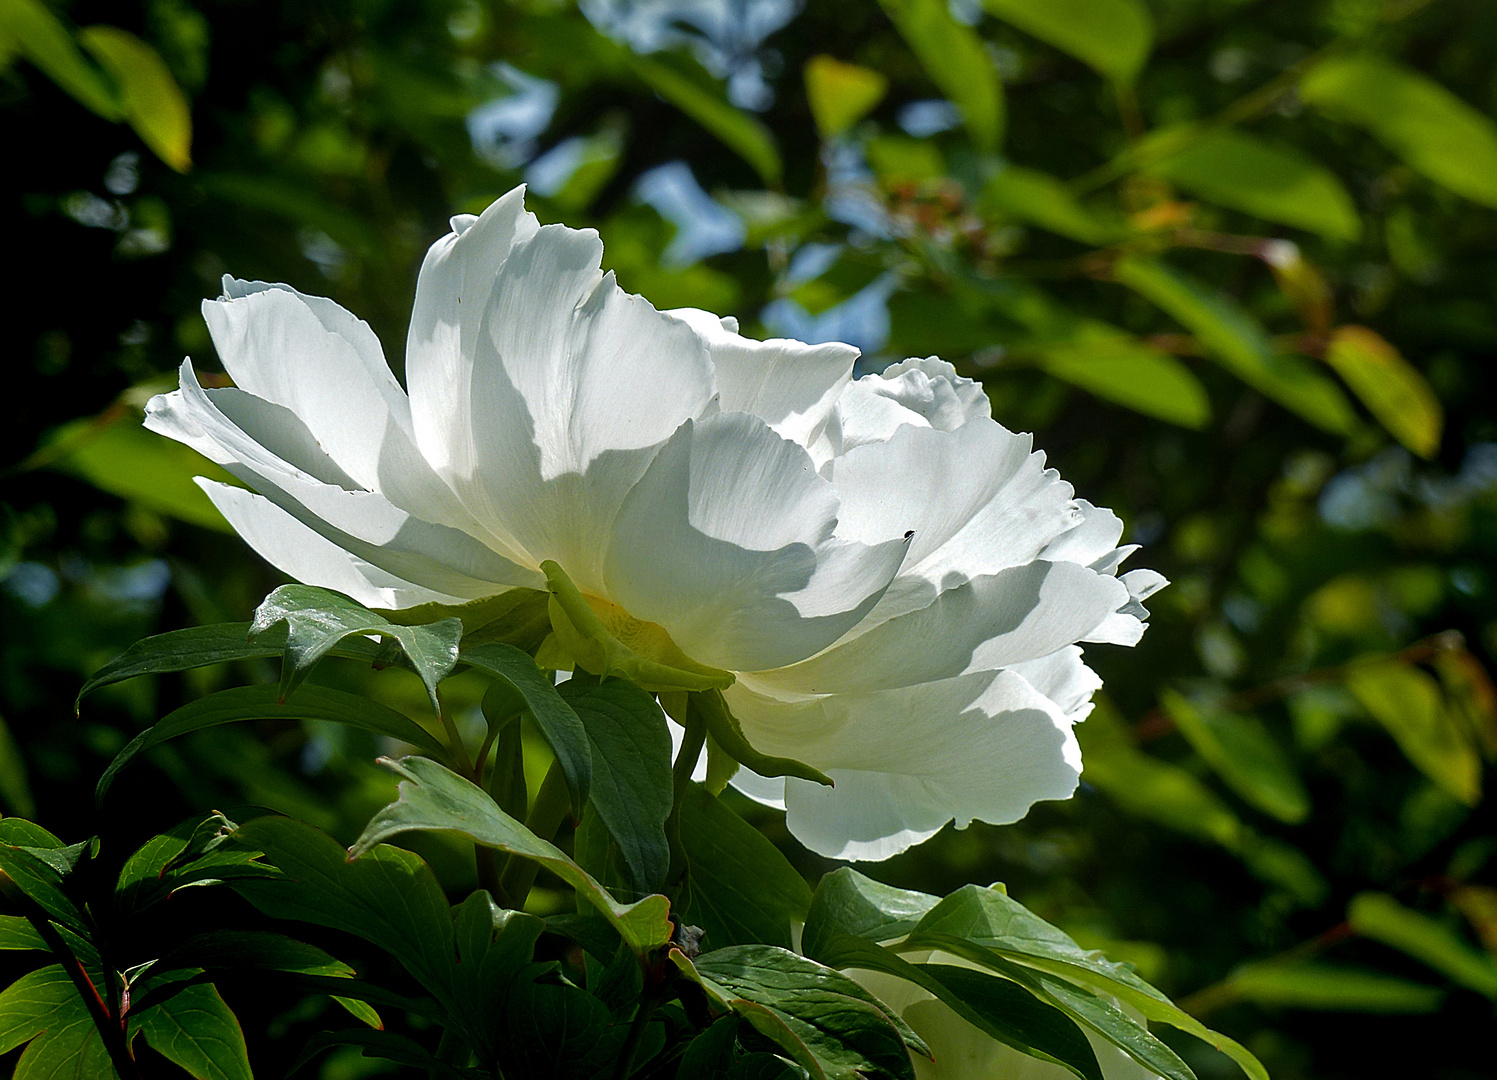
<point>199,646</point>
<point>493,945</point>
<point>740,889</point>
<point>43,1009</point>
<point>822,1019</point>
<point>521,687</point>
<point>386,1046</point>
<point>848,904</point>
<point>195,1029</point>
<point>389,897</point>
<point>631,755</point>
<point>553,1030</point>
<point>264,703</point>
<point>708,1055</point>
<point>433,798</point>
<point>1038,198</point>
<point>317,620</point>
<point>980,924</point>
<point>15,788</point>
<point>16,932</point>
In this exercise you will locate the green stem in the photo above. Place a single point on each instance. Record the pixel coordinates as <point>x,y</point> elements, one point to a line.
<point>686,763</point>
<point>551,804</point>
<point>634,1038</point>
<point>455,746</point>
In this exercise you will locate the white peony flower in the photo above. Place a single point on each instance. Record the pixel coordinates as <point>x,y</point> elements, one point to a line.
<point>896,581</point>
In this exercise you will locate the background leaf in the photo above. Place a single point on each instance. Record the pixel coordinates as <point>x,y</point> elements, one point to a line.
<point>1392,389</point>
<point>150,98</point>
<point>1112,36</point>
<point>1429,127</point>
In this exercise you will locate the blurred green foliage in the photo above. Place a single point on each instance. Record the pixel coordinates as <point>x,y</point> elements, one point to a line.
<point>1232,261</point>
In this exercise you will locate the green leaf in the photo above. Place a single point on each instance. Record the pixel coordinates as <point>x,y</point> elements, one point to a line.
<point>736,129</point>
<point>973,919</point>
<point>724,728</point>
<point>17,933</point>
<point>631,754</point>
<point>1436,132</point>
<point>43,1009</point>
<point>826,1022</point>
<point>1237,341</point>
<point>841,94</point>
<point>42,885</point>
<point>1329,987</point>
<point>1113,37</point>
<point>1159,791</point>
<point>515,617</point>
<point>1120,368</point>
<point>182,858</point>
<point>390,898</point>
<point>1393,390</point>
<point>264,703</point>
<point>740,888</point>
<point>998,1007</point>
<point>1038,198</point>
<point>317,620</point>
<point>848,904</point>
<point>1409,704</point>
<point>521,687</point>
<point>1243,753</point>
<point>645,656</point>
<point>1267,180</point>
<point>708,1055</point>
<point>553,1030</point>
<point>433,798</point>
<point>195,1029</point>
<point>1382,918</point>
<point>957,61</point>
<point>493,946</point>
<point>151,100</point>
<point>126,460</point>
<point>44,41</point>
<point>266,951</point>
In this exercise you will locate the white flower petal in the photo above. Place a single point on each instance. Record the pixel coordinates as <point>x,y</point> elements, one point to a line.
<point>990,622</point>
<point>984,746</point>
<point>305,555</point>
<point>788,384</point>
<point>576,383</point>
<point>727,542</point>
<point>923,392</point>
<point>364,523</point>
<point>1064,679</point>
<point>977,500</point>
<point>453,292</point>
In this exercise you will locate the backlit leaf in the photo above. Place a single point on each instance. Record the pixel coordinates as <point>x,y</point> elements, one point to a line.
<point>956,60</point>
<point>1409,704</point>
<point>1393,390</point>
<point>1236,340</point>
<point>1267,180</point>
<point>1379,916</point>
<point>1242,752</point>
<point>841,94</point>
<point>1111,36</point>
<point>1436,132</point>
<point>151,100</point>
